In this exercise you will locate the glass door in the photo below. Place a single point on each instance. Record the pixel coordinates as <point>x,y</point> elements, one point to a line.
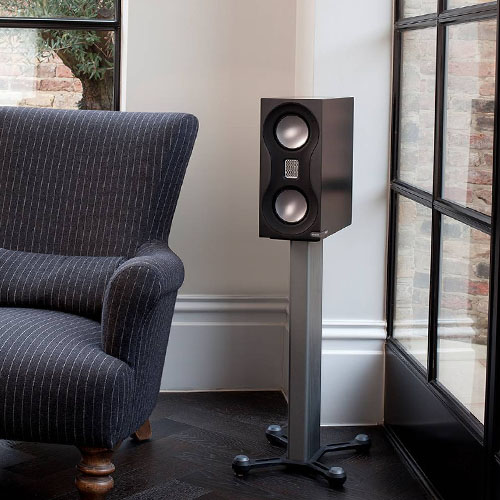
<point>442,402</point>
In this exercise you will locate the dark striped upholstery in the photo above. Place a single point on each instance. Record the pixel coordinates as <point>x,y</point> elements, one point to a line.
<point>89,184</point>
<point>71,284</point>
<point>58,385</point>
<point>136,330</point>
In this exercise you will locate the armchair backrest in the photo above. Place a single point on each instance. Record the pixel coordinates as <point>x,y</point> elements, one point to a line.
<point>90,182</point>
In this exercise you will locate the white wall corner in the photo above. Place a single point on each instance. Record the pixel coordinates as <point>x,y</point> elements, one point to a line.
<point>353,372</point>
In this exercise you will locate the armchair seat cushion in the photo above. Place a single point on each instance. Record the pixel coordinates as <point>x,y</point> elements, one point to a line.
<point>56,382</point>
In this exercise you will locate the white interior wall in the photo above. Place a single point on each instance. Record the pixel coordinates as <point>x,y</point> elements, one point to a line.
<point>216,59</point>
<point>352,57</point>
<point>305,27</point>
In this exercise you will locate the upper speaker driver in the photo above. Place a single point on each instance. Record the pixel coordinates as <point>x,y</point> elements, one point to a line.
<point>292,132</point>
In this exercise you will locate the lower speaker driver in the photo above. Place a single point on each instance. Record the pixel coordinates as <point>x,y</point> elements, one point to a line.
<point>290,206</point>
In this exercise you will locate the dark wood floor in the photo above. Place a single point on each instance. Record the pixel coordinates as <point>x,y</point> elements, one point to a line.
<point>195,437</point>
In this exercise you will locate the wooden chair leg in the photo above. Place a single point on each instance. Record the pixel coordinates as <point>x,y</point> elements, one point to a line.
<point>143,433</point>
<point>93,478</point>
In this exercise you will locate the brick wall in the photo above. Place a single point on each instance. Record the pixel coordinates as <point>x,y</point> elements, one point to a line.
<point>469,120</point>
<point>418,82</point>
<point>467,176</point>
<point>419,7</point>
<point>468,171</point>
<point>413,265</point>
<point>26,81</point>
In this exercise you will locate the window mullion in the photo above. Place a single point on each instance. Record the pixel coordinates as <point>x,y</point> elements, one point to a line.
<point>117,70</point>
<point>492,411</point>
<point>117,58</point>
<point>436,193</point>
<point>48,23</point>
<point>396,91</point>
<point>391,244</point>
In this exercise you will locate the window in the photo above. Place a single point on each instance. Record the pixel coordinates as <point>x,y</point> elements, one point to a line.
<point>411,308</point>
<point>462,325</point>
<point>418,86</point>
<point>60,54</point>
<point>442,196</point>
<point>442,386</point>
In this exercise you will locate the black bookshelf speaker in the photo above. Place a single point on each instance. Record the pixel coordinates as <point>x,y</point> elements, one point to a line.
<point>306,149</point>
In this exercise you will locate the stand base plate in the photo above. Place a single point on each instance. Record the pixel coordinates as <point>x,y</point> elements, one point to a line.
<point>276,435</point>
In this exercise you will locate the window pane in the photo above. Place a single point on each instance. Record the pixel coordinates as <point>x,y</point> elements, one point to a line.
<point>413,8</point>
<point>75,9</point>
<point>416,127</point>
<point>453,4</point>
<point>470,102</point>
<point>413,262</point>
<point>56,69</point>
<point>463,314</point>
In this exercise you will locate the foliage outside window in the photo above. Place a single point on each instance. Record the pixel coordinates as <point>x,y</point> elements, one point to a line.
<point>64,67</point>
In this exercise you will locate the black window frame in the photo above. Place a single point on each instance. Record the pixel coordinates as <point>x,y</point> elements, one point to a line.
<point>113,25</point>
<point>489,434</point>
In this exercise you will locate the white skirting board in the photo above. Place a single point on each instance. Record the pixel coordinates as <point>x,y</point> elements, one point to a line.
<point>353,372</point>
<point>240,343</point>
<point>226,342</point>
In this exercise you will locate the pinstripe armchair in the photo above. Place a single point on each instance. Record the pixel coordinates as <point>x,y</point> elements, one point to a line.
<point>87,280</point>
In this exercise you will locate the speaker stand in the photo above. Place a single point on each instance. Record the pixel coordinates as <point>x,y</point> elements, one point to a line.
<point>302,438</point>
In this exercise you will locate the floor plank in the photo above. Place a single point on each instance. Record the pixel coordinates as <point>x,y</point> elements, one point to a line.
<point>195,437</point>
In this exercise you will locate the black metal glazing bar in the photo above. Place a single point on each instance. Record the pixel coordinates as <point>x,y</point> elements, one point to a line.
<point>391,242</point>
<point>492,410</point>
<point>117,59</point>
<point>391,261</point>
<point>436,193</point>
<point>417,22</point>
<point>470,13</point>
<point>58,23</point>
<point>398,10</point>
<point>113,25</point>
<point>452,16</point>
<point>396,92</point>
<point>415,194</point>
<point>467,216</point>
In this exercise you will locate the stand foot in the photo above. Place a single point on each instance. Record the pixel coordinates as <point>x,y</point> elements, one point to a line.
<point>335,476</point>
<point>276,435</point>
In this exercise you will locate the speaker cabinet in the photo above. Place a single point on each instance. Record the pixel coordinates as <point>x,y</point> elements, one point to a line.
<point>305,167</point>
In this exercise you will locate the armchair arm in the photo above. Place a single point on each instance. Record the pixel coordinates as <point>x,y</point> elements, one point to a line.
<point>139,303</point>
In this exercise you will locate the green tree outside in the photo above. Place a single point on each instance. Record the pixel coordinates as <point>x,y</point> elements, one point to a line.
<point>88,54</point>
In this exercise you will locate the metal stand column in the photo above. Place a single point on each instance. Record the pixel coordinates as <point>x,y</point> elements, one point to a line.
<point>306,281</point>
<point>303,437</point>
